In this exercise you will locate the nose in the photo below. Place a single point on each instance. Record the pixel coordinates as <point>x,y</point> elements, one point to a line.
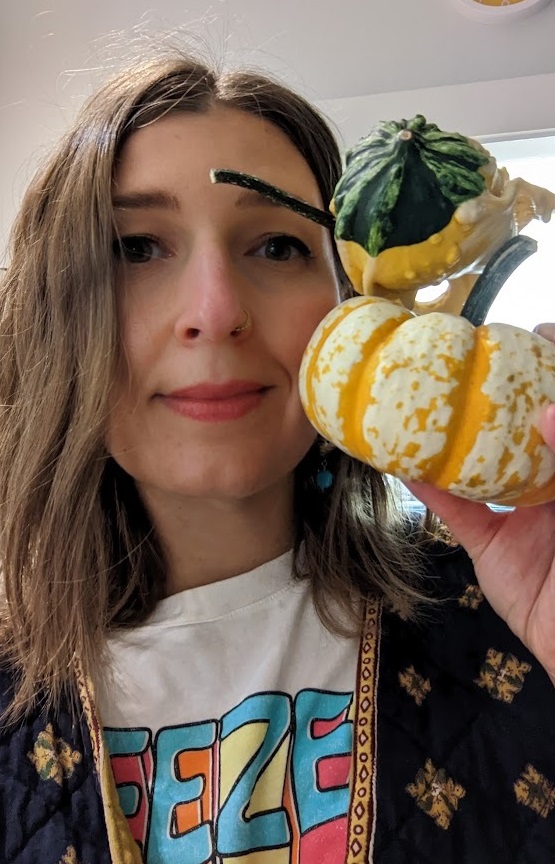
<point>212,304</point>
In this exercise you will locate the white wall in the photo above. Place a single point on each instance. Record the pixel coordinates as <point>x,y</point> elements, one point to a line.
<point>507,108</point>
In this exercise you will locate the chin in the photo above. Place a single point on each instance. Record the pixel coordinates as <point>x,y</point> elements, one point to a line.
<point>231,483</point>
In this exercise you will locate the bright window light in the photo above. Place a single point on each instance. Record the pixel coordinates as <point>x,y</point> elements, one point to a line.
<point>528,296</point>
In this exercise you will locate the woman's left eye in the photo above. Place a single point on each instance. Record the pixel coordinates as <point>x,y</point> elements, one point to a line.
<point>138,248</point>
<point>282,247</point>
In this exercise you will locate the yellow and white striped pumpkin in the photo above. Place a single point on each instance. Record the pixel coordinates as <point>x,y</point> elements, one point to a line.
<point>433,398</point>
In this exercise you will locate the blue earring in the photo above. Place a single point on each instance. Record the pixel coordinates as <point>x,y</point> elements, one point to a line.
<point>324,477</point>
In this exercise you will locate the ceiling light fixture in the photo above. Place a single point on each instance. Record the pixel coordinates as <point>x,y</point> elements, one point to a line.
<point>497,11</point>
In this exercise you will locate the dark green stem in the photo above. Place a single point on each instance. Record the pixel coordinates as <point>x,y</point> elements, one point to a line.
<point>247,181</point>
<point>496,272</point>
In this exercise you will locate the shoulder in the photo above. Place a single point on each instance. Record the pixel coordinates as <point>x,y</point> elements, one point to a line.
<point>464,708</point>
<point>7,686</point>
<point>461,647</point>
<point>449,570</point>
<point>458,621</point>
<point>50,806</point>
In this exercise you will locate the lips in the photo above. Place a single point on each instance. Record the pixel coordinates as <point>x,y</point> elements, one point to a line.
<point>210,391</point>
<point>216,402</point>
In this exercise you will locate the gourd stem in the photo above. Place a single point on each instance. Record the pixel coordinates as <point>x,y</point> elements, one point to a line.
<point>496,272</point>
<point>247,181</point>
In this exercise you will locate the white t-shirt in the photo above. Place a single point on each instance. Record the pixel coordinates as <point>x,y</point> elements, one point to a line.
<point>228,718</point>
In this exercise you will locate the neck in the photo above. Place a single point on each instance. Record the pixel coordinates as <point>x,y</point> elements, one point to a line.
<point>209,540</point>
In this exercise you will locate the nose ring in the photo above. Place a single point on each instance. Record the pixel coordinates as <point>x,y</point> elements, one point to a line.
<point>245,325</point>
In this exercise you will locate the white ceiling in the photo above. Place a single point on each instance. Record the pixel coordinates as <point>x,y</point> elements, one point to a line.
<point>52,51</point>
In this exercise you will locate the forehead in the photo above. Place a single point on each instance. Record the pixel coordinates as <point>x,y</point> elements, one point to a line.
<point>177,152</point>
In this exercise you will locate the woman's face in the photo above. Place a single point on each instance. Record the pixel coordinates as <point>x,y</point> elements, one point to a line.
<point>199,408</point>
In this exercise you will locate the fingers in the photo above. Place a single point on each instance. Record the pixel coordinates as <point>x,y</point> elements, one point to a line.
<point>547,418</point>
<point>547,426</point>
<point>547,330</point>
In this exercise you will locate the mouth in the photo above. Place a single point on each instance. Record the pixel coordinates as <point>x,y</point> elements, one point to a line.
<point>212,403</point>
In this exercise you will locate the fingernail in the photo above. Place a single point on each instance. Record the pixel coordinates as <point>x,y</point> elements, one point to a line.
<point>545,330</point>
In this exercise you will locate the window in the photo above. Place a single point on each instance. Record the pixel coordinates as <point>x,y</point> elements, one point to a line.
<point>528,296</point>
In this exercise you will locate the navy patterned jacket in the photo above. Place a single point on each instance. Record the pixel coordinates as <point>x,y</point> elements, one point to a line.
<point>462,771</point>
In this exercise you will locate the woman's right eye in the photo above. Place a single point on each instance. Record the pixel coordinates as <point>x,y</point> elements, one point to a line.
<point>137,248</point>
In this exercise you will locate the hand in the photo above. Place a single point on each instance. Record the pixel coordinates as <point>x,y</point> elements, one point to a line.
<point>513,553</point>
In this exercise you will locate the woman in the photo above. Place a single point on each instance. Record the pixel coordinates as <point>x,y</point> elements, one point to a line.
<point>176,572</point>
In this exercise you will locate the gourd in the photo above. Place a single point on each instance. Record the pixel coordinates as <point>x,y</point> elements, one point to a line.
<point>434,399</point>
<point>417,206</point>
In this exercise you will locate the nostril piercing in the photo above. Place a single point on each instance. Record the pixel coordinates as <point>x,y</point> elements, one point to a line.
<point>245,325</point>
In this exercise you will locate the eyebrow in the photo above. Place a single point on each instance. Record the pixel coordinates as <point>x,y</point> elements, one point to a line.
<point>255,193</point>
<point>167,201</point>
<point>146,201</point>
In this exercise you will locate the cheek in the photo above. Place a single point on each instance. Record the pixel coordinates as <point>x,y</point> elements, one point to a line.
<point>121,406</point>
<point>298,325</point>
<point>304,321</point>
<point>141,333</point>
<point>137,341</point>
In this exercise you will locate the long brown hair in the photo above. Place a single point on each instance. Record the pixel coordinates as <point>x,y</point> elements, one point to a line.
<point>78,552</point>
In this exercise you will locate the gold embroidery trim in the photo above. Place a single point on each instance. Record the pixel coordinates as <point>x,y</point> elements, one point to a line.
<point>123,849</point>
<point>362,809</point>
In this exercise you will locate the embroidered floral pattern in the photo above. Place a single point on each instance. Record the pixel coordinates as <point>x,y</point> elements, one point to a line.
<point>415,685</point>
<point>436,794</point>
<point>53,758</point>
<point>535,791</point>
<point>472,597</point>
<point>69,857</point>
<point>502,675</point>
